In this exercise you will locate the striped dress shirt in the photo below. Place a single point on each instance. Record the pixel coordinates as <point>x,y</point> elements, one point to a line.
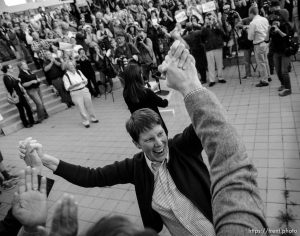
<point>178,213</point>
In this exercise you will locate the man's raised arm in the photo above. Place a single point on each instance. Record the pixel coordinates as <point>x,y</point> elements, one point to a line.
<point>237,205</point>
<point>117,173</point>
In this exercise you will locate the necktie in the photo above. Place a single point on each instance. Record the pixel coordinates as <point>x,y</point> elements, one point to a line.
<point>155,166</point>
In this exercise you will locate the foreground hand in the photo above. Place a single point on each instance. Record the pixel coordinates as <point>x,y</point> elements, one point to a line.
<point>65,222</point>
<point>30,204</point>
<point>179,67</point>
<point>31,152</point>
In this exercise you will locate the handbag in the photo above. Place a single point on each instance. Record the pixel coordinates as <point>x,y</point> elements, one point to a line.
<point>292,46</point>
<point>13,98</point>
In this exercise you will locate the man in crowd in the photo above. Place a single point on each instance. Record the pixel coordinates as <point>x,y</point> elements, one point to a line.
<point>172,183</point>
<point>54,71</point>
<point>146,55</point>
<point>32,85</point>
<point>258,33</point>
<point>124,49</point>
<point>39,47</point>
<point>274,10</point>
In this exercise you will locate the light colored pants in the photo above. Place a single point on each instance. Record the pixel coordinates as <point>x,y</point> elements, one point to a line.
<point>36,95</point>
<point>261,57</point>
<point>83,100</point>
<point>215,58</point>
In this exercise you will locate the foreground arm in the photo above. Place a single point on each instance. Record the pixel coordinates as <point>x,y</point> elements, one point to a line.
<point>116,173</point>
<point>237,205</point>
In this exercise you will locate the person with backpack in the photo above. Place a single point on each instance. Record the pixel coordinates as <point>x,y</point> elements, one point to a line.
<point>280,34</point>
<point>75,82</point>
<point>54,70</point>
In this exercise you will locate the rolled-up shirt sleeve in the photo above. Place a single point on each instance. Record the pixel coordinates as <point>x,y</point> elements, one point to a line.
<point>66,82</point>
<point>251,32</point>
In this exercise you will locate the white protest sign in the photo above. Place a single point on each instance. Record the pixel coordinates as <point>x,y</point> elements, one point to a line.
<point>181,16</point>
<point>37,17</point>
<point>64,46</point>
<point>81,3</point>
<point>209,6</point>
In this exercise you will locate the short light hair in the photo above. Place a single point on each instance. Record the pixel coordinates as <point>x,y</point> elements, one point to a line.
<point>253,10</point>
<point>141,121</point>
<point>21,63</point>
<point>70,62</point>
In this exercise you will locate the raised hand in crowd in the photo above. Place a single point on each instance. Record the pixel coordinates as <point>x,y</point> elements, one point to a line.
<point>65,218</point>
<point>30,203</point>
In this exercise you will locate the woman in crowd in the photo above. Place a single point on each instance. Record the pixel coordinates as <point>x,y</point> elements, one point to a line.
<point>144,22</point>
<point>56,53</point>
<point>85,66</point>
<point>75,82</point>
<point>132,33</point>
<point>212,37</point>
<point>15,90</point>
<point>137,96</point>
<point>72,24</point>
<point>103,35</point>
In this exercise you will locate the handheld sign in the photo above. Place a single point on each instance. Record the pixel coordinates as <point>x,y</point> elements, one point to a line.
<point>209,6</point>
<point>181,16</point>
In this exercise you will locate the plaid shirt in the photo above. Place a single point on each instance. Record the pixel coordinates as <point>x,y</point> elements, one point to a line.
<point>178,213</point>
<point>40,47</point>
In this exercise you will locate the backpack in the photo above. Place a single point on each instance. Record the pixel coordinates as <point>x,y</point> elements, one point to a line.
<point>292,46</point>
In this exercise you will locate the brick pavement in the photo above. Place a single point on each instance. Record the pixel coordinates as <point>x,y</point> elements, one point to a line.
<point>268,124</point>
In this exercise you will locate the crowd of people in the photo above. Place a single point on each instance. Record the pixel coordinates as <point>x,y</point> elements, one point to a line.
<point>173,185</point>
<point>106,36</point>
<point>130,39</point>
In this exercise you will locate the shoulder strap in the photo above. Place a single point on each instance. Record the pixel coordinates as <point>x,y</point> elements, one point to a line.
<point>68,77</point>
<point>79,72</point>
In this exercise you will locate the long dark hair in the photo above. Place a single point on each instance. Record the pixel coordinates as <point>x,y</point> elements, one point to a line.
<point>134,83</point>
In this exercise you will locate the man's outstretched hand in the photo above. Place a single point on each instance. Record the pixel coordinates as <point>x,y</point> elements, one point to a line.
<point>179,67</point>
<point>30,203</point>
<point>65,222</point>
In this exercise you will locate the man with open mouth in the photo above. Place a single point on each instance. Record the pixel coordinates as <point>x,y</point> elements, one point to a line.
<point>173,185</point>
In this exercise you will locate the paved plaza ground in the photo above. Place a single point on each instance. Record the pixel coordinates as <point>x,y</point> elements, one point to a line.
<point>268,124</point>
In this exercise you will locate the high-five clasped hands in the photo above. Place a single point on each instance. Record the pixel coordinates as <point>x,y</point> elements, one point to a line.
<point>179,67</point>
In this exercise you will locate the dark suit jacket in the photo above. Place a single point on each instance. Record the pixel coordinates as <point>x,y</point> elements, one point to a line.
<point>185,165</point>
<point>12,84</point>
<point>28,77</point>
